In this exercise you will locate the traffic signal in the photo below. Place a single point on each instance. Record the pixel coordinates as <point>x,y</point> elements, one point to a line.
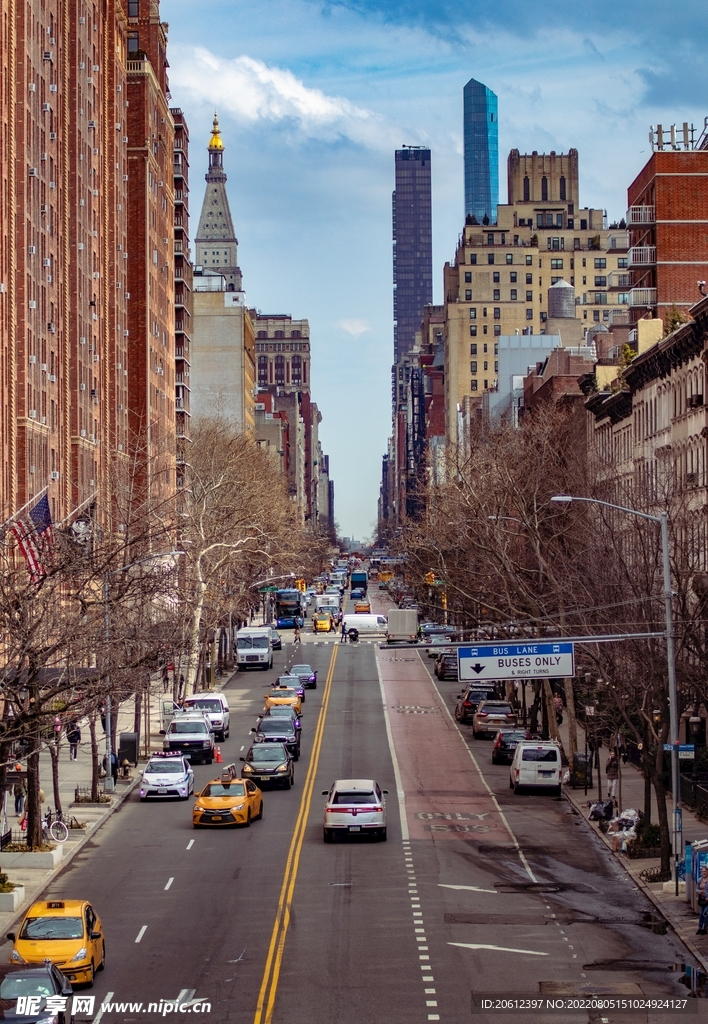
<point>430,578</point>
<point>301,585</point>
<point>443,600</point>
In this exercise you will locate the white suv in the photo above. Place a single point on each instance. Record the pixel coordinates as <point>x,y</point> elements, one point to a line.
<point>215,709</point>
<point>354,806</point>
<point>537,764</point>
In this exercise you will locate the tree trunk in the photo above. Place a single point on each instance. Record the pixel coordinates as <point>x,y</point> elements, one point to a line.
<point>663,815</point>
<point>533,721</point>
<point>572,722</point>
<point>553,732</point>
<point>136,714</point>
<point>54,749</point>
<point>193,649</point>
<point>34,806</point>
<point>94,757</point>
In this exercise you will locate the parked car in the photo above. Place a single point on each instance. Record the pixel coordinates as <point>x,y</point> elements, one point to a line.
<point>537,764</point>
<point>469,700</point>
<point>446,666</point>
<point>276,641</point>
<point>492,715</point>
<point>354,806</point>
<point>505,744</point>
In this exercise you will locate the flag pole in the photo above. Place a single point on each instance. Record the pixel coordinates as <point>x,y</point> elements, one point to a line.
<point>76,510</point>
<point>19,512</point>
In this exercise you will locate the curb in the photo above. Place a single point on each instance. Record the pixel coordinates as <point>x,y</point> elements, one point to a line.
<point>641,885</point>
<point>70,856</point>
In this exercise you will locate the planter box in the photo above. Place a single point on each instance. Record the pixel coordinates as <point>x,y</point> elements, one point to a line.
<point>10,901</point>
<point>47,860</point>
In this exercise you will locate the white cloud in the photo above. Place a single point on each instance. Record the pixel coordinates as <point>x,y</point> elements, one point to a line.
<point>354,326</point>
<point>252,91</point>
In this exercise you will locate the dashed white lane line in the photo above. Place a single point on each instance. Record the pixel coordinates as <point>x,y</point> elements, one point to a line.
<point>242,748</point>
<point>141,932</point>
<point>190,844</point>
<point>106,999</point>
<point>499,949</point>
<point>471,888</point>
<point>169,883</point>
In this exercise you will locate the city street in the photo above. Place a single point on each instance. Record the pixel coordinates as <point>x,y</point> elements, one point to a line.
<point>475,891</point>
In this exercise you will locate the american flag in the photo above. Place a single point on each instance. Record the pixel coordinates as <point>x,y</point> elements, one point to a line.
<point>35,536</point>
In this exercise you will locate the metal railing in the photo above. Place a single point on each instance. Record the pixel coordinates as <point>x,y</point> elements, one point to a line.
<point>641,215</point>
<point>640,255</point>
<point>642,297</point>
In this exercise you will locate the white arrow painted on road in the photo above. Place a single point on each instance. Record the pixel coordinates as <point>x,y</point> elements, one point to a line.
<point>499,949</point>
<point>471,888</point>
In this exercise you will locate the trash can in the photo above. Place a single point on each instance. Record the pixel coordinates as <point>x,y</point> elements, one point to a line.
<point>581,770</point>
<point>128,748</point>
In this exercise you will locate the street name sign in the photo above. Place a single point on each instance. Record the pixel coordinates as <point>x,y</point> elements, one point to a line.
<point>686,751</point>
<point>515,661</point>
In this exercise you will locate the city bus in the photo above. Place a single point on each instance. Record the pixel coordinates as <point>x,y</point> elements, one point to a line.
<point>289,609</point>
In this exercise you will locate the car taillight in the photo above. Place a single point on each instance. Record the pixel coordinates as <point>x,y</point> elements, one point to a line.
<point>467,703</point>
<point>517,772</point>
<point>482,714</point>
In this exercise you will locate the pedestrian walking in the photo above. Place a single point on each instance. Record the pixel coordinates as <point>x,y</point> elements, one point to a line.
<point>558,708</point>
<point>612,773</point>
<point>102,716</point>
<point>343,639</point>
<point>165,679</point>
<point>340,616</point>
<point>181,687</point>
<point>332,624</point>
<point>702,895</point>
<point>19,793</point>
<point>297,634</point>
<point>112,760</point>
<point>73,735</point>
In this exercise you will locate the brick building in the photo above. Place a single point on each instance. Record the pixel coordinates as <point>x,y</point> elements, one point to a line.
<point>668,210</point>
<point>184,303</point>
<point>63,243</point>
<point>151,318</point>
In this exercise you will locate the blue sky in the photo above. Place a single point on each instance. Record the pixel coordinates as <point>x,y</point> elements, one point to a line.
<point>314,97</point>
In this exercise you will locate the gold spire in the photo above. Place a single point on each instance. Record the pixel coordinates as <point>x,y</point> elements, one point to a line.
<point>215,142</point>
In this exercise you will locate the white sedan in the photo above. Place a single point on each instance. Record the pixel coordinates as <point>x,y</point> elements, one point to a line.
<point>354,806</point>
<point>167,777</point>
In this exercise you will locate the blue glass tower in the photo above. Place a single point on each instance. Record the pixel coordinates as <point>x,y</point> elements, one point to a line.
<point>481,152</point>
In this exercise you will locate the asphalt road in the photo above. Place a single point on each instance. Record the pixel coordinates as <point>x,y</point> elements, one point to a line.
<point>270,924</point>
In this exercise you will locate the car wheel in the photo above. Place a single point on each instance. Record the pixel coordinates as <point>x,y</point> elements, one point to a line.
<point>143,799</point>
<point>559,792</point>
<point>209,759</point>
<point>92,975</point>
<point>259,816</point>
<point>475,734</point>
<point>102,965</point>
<point>248,818</point>
<point>511,784</point>
<point>382,834</point>
<point>516,789</point>
<point>296,755</point>
<point>221,737</point>
<point>495,760</point>
<point>326,835</point>
<point>291,782</point>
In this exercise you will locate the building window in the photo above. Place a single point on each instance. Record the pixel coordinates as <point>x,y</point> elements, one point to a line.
<point>486,384</point>
<point>559,220</point>
<point>133,42</point>
<point>527,189</point>
<point>529,279</point>
<point>544,189</point>
<point>473,330</point>
<point>468,295</point>
<point>512,277</point>
<point>510,257</point>
<point>133,8</point>
<point>473,385</point>
<point>484,329</point>
<point>490,239</point>
<point>600,282</point>
<point>278,334</point>
<point>539,220</point>
<point>549,220</point>
<point>571,224</point>
<point>529,296</point>
<point>262,334</point>
<point>513,295</point>
<point>468,277</point>
<point>496,277</point>
<point>529,314</point>
<point>473,259</point>
<point>295,334</point>
<point>596,315</point>
<point>473,349</point>
<point>296,369</point>
<point>583,224</point>
<point>556,264</point>
<point>497,312</point>
<point>529,261</point>
<point>600,264</point>
<point>600,298</point>
<point>561,185</point>
<point>496,348</point>
<point>473,313</point>
<point>555,280</point>
<point>585,280</point>
<point>497,329</point>
<point>263,371</point>
<point>280,369</point>
<point>485,348</point>
<point>497,294</point>
<point>605,314</point>
<point>473,366</point>
<point>622,263</point>
<point>490,258</point>
<point>623,299</point>
<point>484,310</point>
<point>486,367</point>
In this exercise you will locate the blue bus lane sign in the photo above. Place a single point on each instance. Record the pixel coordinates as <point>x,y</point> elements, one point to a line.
<point>516,661</point>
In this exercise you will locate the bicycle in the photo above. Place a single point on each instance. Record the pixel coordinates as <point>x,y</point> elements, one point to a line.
<point>54,830</point>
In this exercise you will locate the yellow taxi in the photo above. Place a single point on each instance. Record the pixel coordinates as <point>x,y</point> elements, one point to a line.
<point>362,606</point>
<point>284,695</point>
<point>66,932</point>
<point>228,801</point>
<point>321,622</point>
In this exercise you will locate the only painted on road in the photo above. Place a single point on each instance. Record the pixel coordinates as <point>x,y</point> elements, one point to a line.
<point>516,661</point>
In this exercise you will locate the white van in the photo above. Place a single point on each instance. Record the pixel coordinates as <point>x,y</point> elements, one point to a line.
<point>364,623</point>
<point>254,647</point>
<point>537,764</point>
<point>215,708</point>
<point>327,602</point>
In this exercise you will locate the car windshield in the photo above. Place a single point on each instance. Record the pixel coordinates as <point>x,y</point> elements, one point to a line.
<point>188,727</point>
<point>283,693</point>
<point>533,754</point>
<point>496,709</point>
<point>478,696</point>
<point>18,984</point>
<point>165,768</point>
<point>224,789</point>
<point>245,643</point>
<point>512,737</point>
<point>53,928</point>
<point>274,727</point>
<point>342,797</point>
<point>301,670</point>
<point>267,752</point>
<point>204,704</point>
<point>281,711</point>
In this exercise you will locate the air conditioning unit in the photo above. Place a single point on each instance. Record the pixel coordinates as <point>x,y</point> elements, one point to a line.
<point>89,80</point>
<point>127,295</point>
<point>32,87</point>
<point>33,359</point>
<point>92,124</point>
<point>82,202</point>
<point>48,55</point>
<point>46,108</point>
<point>32,304</point>
<point>96,275</point>
<point>96,358</point>
<point>118,126</point>
<point>53,87</point>
<point>92,437</point>
<point>44,419</point>
<point>119,207</point>
<point>125,177</point>
<point>119,88</point>
<point>33,414</point>
<point>46,262</point>
<point>126,333</point>
<point>95,152</point>
<point>52,184</point>
<point>44,208</point>
<point>83,432</point>
<point>125,255</point>
<point>125,138</point>
<point>120,408</point>
<point>80,245</point>
<point>43,156</point>
<point>95,191</point>
<point>51,328</point>
<point>82,66</point>
<point>82,341</point>
<point>54,474</point>
<point>82,21</point>
<point>160,184</point>
<point>120,449</point>
<point>52,136</point>
<point>33,172</point>
<point>44,367</point>
<point>96,67</point>
<point>53,378</point>
<point>31,250</point>
<point>49,278</point>
<point>82,387</point>
<point>119,366</point>
<point>94,393</point>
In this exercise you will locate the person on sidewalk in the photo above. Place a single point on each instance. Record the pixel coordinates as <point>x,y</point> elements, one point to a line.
<point>297,634</point>
<point>19,793</point>
<point>702,894</point>
<point>73,735</point>
<point>343,638</point>
<point>165,679</point>
<point>612,773</point>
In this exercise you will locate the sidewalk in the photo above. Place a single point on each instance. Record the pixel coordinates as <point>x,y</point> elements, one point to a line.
<point>676,911</point>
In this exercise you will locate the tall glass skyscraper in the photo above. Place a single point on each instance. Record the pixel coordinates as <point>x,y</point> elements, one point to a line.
<point>412,246</point>
<point>481,151</point>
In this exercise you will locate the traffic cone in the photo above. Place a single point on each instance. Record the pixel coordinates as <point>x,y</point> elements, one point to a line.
<point>217,754</point>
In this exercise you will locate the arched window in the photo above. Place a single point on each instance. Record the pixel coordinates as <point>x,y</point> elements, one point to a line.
<point>562,187</point>
<point>262,334</point>
<point>296,369</point>
<point>280,369</point>
<point>279,334</point>
<point>544,189</point>
<point>262,371</point>
<point>527,190</point>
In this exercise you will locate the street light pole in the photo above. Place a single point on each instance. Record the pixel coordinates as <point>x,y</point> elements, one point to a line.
<point>663,521</point>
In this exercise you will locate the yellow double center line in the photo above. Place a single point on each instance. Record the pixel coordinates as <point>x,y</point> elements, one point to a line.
<point>271,974</point>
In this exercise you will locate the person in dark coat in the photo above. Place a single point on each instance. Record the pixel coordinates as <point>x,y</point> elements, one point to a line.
<point>73,735</point>
<point>612,773</point>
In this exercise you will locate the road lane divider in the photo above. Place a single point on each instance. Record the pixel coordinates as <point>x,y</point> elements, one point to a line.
<point>271,973</point>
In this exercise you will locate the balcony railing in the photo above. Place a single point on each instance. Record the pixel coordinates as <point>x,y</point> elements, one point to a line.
<point>642,297</point>
<point>641,255</point>
<point>640,215</point>
<point>178,170</point>
<point>618,279</point>
<point>618,240</point>
<point>619,316</point>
